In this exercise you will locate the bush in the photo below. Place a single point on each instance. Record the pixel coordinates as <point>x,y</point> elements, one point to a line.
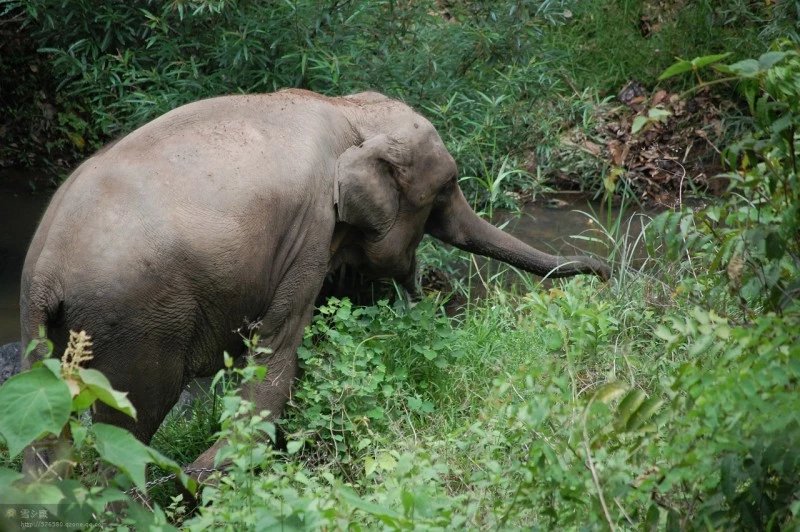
<point>44,407</point>
<point>753,238</point>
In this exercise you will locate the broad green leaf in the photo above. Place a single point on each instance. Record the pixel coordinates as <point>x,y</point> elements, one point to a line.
<point>704,61</point>
<point>657,113</point>
<point>676,68</point>
<point>78,431</point>
<point>120,448</point>
<point>769,59</point>
<point>293,446</point>
<point>775,246</point>
<point>638,123</point>
<point>387,462</point>
<point>643,413</point>
<point>747,68</point>
<point>83,400</point>
<point>552,339</point>
<point>32,403</point>
<point>8,477</point>
<point>701,346</point>
<point>54,365</point>
<point>101,388</point>
<point>370,465</point>
<point>609,392</point>
<point>628,406</point>
<point>32,493</point>
<point>664,333</point>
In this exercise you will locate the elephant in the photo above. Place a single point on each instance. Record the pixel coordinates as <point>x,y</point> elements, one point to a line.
<point>227,214</point>
<point>10,358</point>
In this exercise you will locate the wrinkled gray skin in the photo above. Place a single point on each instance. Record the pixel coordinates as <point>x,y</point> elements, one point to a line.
<point>231,211</point>
<point>10,359</point>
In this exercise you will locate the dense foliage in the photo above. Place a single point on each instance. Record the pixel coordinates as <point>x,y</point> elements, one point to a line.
<point>500,80</point>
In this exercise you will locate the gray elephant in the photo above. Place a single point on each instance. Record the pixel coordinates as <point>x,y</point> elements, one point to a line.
<point>10,359</point>
<point>231,211</point>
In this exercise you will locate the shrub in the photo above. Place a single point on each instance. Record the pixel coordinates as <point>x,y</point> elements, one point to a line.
<point>44,407</point>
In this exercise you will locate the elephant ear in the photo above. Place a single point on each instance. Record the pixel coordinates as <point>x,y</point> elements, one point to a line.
<point>365,191</point>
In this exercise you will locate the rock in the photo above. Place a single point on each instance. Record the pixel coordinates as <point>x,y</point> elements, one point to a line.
<point>10,360</point>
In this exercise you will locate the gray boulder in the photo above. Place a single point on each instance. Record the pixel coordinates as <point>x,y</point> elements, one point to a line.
<point>10,360</point>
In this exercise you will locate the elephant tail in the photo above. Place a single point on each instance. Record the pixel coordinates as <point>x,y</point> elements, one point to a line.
<point>41,314</point>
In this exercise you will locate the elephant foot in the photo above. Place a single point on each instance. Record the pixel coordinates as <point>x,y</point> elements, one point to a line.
<point>203,468</point>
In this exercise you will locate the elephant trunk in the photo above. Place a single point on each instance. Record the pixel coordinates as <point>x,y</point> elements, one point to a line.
<point>453,221</point>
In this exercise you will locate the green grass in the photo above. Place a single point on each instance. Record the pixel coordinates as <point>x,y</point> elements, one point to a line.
<point>602,46</point>
<point>496,435</point>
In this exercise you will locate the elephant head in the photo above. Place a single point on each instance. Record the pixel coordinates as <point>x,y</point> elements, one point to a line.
<point>399,182</point>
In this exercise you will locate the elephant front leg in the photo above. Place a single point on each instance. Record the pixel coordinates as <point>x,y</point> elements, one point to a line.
<point>274,391</point>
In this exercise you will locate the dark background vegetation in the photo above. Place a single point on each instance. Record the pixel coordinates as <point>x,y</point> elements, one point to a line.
<point>502,81</point>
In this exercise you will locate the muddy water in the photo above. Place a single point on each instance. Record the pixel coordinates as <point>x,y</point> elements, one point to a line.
<point>548,225</point>
<point>567,224</point>
<point>20,210</point>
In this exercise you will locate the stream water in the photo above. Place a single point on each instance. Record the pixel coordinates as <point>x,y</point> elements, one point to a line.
<point>20,210</point>
<point>549,226</point>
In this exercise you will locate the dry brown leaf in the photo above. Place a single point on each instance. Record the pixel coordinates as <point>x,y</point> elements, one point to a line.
<point>618,151</point>
<point>592,148</point>
<point>659,97</point>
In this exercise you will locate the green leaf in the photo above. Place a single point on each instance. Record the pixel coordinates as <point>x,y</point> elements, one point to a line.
<point>652,519</point>
<point>609,392</point>
<point>101,388</point>
<point>628,406</point>
<point>769,59</point>
<point>78,431</point>
<point>54,365</point>
<point>293,446</point>
<point>659,114</point>
<point>32,403</point>
<point>408,502</point>
<point>386,461</point>
<point>643,413</point>
<point>747,68</point>
<point>638,123</point>
<point>775,246</point>
<point>552,339</point>
<point>370,465</point>
<point>8,477</point>
<point>676,68</point>
<point>83,400</point>
<point>664,333</point>
<point>120,448</point>
<point>704,61</point>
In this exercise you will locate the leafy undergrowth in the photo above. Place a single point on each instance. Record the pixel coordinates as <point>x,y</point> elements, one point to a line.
<point>560,409</point>
<point>657,146</point>
<point>666,399</point>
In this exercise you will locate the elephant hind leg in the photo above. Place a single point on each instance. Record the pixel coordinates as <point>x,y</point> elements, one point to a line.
<point>153,380</point>
<point>152,387</point>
